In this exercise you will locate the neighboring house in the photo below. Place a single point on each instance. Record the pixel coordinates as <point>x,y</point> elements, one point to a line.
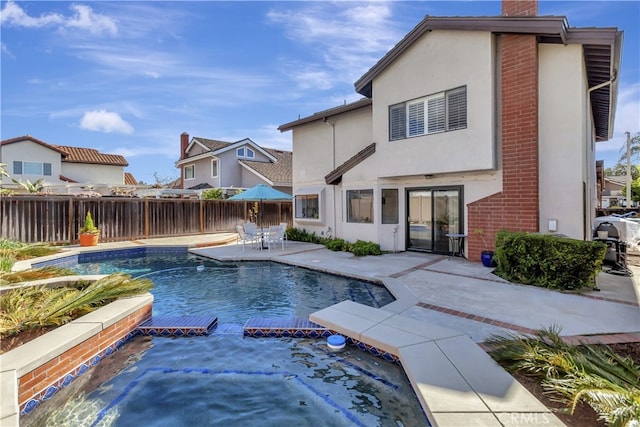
<point>28,158</point>
<point>207,163</point>
<point>612,194</point>
<point>469,125</point>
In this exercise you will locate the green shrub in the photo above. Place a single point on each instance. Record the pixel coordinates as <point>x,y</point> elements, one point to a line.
<point>337,245</point>
<point>362,248</point>
<point>302,235</point>
<point>213,194</point>
<point>548,261</point>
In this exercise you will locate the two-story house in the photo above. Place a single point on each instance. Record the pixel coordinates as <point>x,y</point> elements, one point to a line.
<point>209,163</point>
<point>468,125</point>
<point>29,158</point>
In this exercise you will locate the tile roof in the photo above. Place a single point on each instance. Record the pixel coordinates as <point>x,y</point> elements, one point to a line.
<point>32,139</point>
<point>129,179</point>
<point>280,171</point>
<point>91,156</point>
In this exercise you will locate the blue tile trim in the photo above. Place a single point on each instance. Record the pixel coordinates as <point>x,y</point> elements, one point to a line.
<point>167,326</point>
<point>258,327</point>
<point>71,376</point>
<point>92,256</point>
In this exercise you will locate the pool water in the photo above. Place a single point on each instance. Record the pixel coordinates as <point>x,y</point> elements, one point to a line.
<point>231,380</point>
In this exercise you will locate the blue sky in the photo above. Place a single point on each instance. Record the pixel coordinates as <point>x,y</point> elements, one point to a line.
<point>129,77</point>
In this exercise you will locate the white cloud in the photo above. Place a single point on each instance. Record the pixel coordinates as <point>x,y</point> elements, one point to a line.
<point>343,55</point>
<point>84,18</point>
<point>105,121</point>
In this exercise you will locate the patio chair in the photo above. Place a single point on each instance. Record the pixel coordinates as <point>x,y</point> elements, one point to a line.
<point>276,235</point>
<point>244,237</point>
<point>284,226</point>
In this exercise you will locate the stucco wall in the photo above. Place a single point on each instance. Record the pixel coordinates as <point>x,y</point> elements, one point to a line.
<point>94,174</point>
<point>564,145</point>
<point>28,151</point>
<point>439,61</point>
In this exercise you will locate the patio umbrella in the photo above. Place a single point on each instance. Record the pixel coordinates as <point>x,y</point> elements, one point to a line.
<point>260,193</point>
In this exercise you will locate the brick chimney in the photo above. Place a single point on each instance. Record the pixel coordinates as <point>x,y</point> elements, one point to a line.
<point>519,7</point>
<point>184,143</point>
<point>515,208</point>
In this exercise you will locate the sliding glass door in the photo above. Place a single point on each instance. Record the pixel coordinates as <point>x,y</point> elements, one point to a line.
<point>432,213</point>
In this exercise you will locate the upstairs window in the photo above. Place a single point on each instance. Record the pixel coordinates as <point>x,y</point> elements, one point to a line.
<point>440,112</point>
<point>245,153</point>
<point>214,168</point>
<point>31,168</point>
<point>189,171</point>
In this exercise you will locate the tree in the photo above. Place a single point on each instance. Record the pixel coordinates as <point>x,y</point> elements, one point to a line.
<point>635,149</point>
<point>620,169</point>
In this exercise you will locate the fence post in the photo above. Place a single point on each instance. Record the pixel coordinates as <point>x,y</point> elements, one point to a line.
<point>201,216</point>
<point>146,218</point>
<point>71,220</point>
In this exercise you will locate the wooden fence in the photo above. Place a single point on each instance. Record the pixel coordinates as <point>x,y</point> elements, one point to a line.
<point>57,219</point>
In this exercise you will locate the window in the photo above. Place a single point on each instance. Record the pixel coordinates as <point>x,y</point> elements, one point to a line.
<point>189,172</point>
<point>440,112</point>
<point>389,206</point>
<point>214,168</point>
<point>360,206</point>
<point>245,152</point>
<point>31,168</point>
<point>307,206</point>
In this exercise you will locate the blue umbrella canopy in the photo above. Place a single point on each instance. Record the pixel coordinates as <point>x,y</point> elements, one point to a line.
<point>259,193</point>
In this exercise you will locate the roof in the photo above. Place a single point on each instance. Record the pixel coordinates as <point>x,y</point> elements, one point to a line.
<point>129,179</point>
<point>335,176</point>
<point>326,114</point>
<point>212,144</point>
<point>91,156</point>
<point>74,154</point>
<point>602,49</point>
<point>280,171</point>
<point>35,140</point>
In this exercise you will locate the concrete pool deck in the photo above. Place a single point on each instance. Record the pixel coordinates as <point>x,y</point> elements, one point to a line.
<point>446,306</point>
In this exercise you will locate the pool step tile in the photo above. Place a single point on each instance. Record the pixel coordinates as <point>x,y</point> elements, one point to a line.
<point>176,326</point>
<point>296,327</point>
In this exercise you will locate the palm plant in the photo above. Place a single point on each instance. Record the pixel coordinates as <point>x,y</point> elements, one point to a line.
<point>31,187</point>
<point>36,306</point>
<point>609,383</point>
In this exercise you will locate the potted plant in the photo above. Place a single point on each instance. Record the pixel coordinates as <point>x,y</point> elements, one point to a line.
<point>89,234</point>
<point>486,256</point>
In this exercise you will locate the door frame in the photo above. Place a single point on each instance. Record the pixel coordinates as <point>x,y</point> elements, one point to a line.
<point>432,189</point>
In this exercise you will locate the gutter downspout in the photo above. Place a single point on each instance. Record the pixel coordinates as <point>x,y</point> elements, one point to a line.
<point>333,166</point>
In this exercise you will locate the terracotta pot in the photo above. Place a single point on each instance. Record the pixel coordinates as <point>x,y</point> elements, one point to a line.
<point>89,239</point>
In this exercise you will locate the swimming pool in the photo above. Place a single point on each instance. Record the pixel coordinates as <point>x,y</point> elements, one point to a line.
<point>228,379</point>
